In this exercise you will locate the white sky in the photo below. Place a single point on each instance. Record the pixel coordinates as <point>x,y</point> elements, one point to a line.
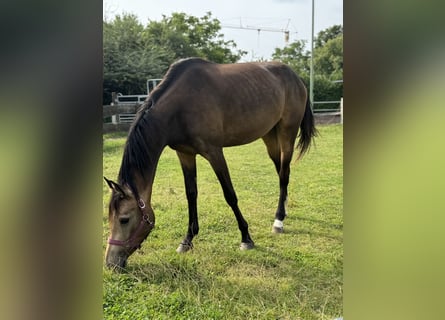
<point>295,15</point>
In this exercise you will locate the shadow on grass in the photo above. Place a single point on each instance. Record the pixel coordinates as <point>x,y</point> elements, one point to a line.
<point>302,231</point>
<point>318,222</point>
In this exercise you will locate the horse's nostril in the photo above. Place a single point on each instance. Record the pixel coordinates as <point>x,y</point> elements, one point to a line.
<point>124,220</point>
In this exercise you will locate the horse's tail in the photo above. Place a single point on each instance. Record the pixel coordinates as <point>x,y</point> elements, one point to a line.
<point>307,130</point>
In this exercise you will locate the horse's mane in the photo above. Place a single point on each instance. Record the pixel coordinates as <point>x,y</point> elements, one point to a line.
<point>137,156</point>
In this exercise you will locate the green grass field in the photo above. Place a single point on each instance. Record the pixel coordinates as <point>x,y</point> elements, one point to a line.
<point>295,275</point>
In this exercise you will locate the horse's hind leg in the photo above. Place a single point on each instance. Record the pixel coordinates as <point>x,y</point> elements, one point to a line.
<point>219,165</point>
<point>273,148</point>
<point>285,138</point>
<point>188,164</point>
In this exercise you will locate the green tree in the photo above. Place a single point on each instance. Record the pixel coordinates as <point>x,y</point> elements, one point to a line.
<point>328,63</point>
<point>328,34</point>
<point>294,56</point>
<point>129,60</point>
<point>189,36</point>
<point>328,59</point>
<point>134,53</point>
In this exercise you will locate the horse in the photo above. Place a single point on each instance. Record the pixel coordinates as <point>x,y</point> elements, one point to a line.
<point>201,107</point>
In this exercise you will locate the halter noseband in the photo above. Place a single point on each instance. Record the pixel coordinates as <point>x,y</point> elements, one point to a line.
<point>130,242</point>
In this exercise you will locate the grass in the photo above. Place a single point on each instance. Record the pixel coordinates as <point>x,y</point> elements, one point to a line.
<point>295,275</point>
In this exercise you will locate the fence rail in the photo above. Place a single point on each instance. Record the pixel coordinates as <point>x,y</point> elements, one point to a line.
<point>111,110</point>
<point>119,117</point>
<point>318,110</point>
<point>323,114</point>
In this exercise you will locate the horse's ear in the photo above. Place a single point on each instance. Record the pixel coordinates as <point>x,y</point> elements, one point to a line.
<point>114,186</point>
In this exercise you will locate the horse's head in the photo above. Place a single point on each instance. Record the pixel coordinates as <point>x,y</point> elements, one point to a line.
<point>130,220</point>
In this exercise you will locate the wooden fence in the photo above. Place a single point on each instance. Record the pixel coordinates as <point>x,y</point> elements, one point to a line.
<point>118,117</point>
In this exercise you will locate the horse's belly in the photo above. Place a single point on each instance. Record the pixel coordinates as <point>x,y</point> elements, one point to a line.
<point>242,133</point>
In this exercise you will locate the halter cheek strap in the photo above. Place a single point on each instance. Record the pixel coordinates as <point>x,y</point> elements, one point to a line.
<point>131,242</point>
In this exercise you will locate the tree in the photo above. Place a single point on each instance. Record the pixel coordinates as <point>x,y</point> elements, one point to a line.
<point>330,33</point>
<point>328,59</point>
<point>134,53</point>
<point>328,62</point>
<point>189,36</point>
<point>294,56</point>
<point>129,60</point>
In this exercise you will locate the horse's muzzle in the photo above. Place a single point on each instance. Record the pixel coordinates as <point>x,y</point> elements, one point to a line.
<point>120,263</point>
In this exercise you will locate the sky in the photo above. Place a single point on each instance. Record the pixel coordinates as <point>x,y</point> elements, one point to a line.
<point>293,15</point>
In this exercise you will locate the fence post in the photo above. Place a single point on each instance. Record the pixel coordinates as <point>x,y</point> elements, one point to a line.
<point>341,110</point>
<point>113,98</point>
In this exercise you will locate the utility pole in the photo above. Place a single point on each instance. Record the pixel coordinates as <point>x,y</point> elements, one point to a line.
<point>311,81</point>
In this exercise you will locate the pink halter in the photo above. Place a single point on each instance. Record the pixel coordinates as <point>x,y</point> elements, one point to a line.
<point>131,242</point>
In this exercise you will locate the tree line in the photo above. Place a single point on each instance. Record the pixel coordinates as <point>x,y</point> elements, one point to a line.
<point>134,53</point>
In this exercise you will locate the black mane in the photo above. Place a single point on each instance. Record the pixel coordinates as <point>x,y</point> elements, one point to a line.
<point>137,156</point>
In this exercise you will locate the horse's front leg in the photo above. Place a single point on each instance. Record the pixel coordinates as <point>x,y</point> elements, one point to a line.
<point>219,165</point>
<point>188,165</point>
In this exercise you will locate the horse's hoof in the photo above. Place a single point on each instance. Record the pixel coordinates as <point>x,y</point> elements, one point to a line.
<point>278,226</point>
<point>277,229</point>
<point>246,245</point>
<point>184,247</point>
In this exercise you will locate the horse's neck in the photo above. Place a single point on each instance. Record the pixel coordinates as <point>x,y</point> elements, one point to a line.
<point>156,146</point>
<point>145,183</point>
<point>143,151</point>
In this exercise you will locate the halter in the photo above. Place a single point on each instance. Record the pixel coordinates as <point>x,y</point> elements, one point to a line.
<point>131,242</point>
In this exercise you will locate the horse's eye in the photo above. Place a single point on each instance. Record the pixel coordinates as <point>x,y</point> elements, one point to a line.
<point>124,220</point>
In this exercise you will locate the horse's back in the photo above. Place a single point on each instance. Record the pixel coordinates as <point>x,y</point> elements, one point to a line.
<point>231,104</point>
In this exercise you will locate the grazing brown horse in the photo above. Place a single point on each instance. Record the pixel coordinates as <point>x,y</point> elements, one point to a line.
<point>201,107</point>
